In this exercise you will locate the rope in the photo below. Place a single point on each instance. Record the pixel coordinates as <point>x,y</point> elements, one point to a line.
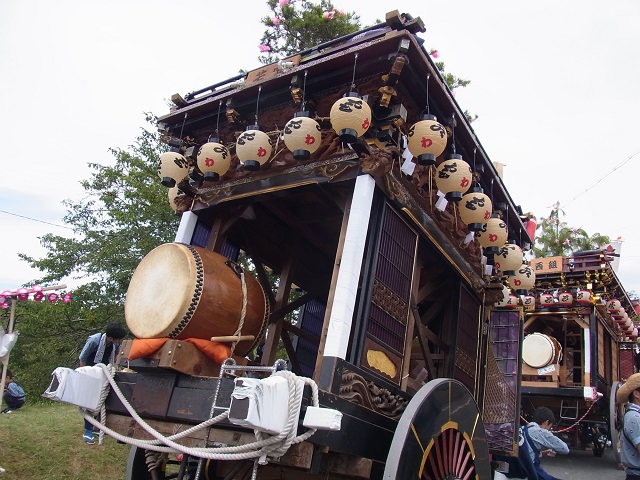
<point>264,446</point>
<point>242,314</point>
<point>572,425</point>
<point>580,419</point>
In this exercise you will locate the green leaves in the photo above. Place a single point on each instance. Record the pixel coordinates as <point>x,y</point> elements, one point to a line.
<point>557,239</point>
<point>298,25</point>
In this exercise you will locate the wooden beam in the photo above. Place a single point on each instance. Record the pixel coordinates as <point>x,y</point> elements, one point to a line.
<point>274,330</point>
<point>424,345</point>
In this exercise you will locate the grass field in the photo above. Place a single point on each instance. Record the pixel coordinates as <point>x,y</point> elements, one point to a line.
<point>44,442</point>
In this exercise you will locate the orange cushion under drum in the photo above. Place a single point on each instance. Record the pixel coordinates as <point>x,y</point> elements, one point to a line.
<point>214,350</point>
<point>143,347</point>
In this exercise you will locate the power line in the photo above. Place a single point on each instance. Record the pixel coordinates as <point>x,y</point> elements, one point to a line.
<point>35,220</point>
<point>602,178</point>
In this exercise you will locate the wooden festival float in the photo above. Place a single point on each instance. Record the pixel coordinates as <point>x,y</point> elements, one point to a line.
<point>310,231</point>
<point>580,340</point>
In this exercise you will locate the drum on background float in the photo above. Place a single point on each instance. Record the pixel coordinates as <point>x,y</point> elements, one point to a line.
<point>540,350</point>
<point>182,291</point>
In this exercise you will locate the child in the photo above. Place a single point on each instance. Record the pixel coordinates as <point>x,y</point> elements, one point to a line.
<point>13,394</point>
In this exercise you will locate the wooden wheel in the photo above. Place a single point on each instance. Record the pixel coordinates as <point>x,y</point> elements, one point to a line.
<point>171,468</point>
<point>440,436</point>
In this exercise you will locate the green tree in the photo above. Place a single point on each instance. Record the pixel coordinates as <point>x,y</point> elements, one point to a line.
<point>296,25</point>
<point>124,215</point>
<point>556,238</point>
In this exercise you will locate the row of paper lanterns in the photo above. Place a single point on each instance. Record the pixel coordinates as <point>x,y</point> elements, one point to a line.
<point>621,318</point>
<point>38,295</point>
<point>351,117</point>
<point>545,299</point>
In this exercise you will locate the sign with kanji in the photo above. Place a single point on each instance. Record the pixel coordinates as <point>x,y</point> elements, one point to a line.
<point>270,71</point>
<point>546,265</point>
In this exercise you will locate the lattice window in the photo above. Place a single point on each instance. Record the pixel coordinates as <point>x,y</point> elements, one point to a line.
<point>311,320</point>
<point>392,282</point>
<point>501,377</point>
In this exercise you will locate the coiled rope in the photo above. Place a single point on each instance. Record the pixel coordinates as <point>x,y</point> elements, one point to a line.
<point>264,446</point>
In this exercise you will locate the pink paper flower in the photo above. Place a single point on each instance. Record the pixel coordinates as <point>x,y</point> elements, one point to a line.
<point>329,15</point>
<point>264,48</point>
<point>434,53</point>
<point>282,3</point>
<point>275,20</point>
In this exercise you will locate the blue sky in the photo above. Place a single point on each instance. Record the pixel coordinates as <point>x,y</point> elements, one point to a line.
<point>554,85</point>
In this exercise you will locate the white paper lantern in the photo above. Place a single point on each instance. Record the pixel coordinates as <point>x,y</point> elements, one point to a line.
<point>493,235</point>
<point>302,136</point>
<point>253,148</point>
<point>453,177</point>
<point>509,258</point>
<point>523,279</point>
<point>350,117</point>
<point>505,297</point>
<point>213,160</point>
<point>172,194</point>
<point>173,167</point>
<point>475,209</point>
<point>427,139</point>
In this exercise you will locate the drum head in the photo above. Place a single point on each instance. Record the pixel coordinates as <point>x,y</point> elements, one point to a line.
<point>537,350</point>
<point>161,290</point>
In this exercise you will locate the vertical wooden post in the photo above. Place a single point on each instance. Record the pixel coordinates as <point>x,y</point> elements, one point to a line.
<point>5,364</point>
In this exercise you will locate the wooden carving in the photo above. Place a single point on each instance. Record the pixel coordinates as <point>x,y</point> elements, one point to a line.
<point>356,389</point>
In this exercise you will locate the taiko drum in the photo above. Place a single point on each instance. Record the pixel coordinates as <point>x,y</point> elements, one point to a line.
<point>540,350</point>
<point>181,291</point>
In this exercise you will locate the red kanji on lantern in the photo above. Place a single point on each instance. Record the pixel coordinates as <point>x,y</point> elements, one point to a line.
<point>426,142</point>
<point>464,182</point>
<point>209,162</point>
<point>261,152</point>
<point>365,124</point>
<point>309,139</point>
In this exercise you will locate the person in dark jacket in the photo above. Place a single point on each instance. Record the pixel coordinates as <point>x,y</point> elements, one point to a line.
<point>100,348</point>
<point>13,394</point>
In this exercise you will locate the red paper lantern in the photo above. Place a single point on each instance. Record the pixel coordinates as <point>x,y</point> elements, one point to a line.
<point>613,305</point>
<point>583,297</point>
<point>546,300</point>
<point>565,299</point>
<point>529,302</point>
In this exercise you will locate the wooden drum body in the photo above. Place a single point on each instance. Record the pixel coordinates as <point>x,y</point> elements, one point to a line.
<point>540,350</point>
<point>181,291</point>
